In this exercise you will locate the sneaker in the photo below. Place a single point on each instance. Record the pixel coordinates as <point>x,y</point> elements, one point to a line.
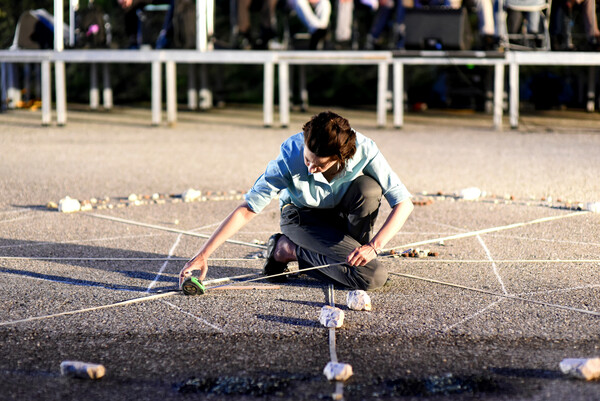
<point>271,266</point>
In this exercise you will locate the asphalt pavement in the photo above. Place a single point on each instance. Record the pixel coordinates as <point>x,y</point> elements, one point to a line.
<point>513,288</point>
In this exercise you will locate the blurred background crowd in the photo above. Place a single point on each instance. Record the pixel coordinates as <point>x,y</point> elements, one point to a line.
<point>322,24</point>
<point>399,25</point>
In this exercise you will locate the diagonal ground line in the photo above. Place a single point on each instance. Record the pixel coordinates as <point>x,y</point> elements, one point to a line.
<point>164,266</point>
<point>91,309</point>
<point>581,287</point>
<point>558,241</point>
<point>120,303</point>
<point>488,230</point>
<point>464,261</point>
<point>338,394</point>
<point>18,218</point>
<point>77,242</point>
<point>507,296</point>
<point>206,322</point>
<point>107,259</point>
<point>494,268</point>
<point>173,230</point>
<point>472,316</point>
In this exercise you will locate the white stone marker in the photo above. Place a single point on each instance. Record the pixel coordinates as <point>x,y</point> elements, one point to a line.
<point>331,316</point>
<point>82,370</point>
<point>358,300</point>
<point>68,205</point>
<point>588,369</point>
<point>337,371</point>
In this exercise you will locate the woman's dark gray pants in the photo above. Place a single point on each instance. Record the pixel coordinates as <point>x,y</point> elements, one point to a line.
<point>327,236</point>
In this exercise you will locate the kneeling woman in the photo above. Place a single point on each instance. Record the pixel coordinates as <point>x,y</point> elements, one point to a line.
<point>330,180</point>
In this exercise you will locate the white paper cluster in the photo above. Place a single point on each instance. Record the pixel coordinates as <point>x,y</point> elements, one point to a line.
<point>358,300</point>
<point>190,195</point>
<point>331,316</point>
<point>471,193</point>
<point>593,207</point>
<point>82,370</point>
<point>587,369</point>
<point>68,205</point>
<point>337,371</point>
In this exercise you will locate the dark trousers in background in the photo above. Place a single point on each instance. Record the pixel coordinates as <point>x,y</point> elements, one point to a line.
<point>327,236</point>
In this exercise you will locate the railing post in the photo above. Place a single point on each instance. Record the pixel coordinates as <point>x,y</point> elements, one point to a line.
<point>284,93</point>
<point>268,93</point>
<point>46,97</point>
<point>171,92</point>
<point>513,99</point>
<point>498,94</point>
<point>156,92</point>
<point>398,76</point>
<point>382,84</point>
<point>94,91</point>
<point>107,94</point>
<point>192,95</point>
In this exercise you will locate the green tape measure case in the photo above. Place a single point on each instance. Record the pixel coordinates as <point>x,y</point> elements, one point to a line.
<point>193,286</point>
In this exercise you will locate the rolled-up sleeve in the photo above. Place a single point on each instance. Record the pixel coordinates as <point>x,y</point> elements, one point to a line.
<point>393,189</point>
<point>268,185</point>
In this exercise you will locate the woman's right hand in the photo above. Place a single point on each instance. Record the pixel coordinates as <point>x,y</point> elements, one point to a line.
<point>199,262</point>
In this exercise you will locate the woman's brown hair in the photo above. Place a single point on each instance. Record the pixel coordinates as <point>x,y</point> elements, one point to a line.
<point>329,134</point>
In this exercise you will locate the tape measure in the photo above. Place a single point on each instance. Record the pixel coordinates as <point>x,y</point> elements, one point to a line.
<point>193,286</point>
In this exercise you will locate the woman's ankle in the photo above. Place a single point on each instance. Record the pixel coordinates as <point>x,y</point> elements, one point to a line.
<point>285,250</point>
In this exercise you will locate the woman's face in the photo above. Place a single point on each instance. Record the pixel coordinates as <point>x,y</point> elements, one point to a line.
<point>318,164</point>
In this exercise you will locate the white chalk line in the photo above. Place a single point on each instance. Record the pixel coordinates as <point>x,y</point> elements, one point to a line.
<point>546,240</point>
<point>494,267</point>
<point>437,223</point>
<point>90,309</point>
<point>507,296</point>
<point>81,241</point>
<point>103,259</point>
<point>206,322</point>
<point>116,304</point>
<point>488,230</point>
<point>18,219</point>
<point>15,210</point>
<point>470,261</point>
<point>546,292</point>
<point>568,289</point>
<point>164,265</point>
<point>173,230</point>
<point>338,394</point>
<point>80,283</point>
<point>471,317</point>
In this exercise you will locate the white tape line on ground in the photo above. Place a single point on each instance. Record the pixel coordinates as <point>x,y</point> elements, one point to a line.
<point>194,316</point>
<point>164,265</point>
<point>514,297</point>
<point>472,316</point>
<point>527,261</point>
<point>173,230</point>
<point>113,305</point>
<point>17,219</point>
<point>568,289</point>
<point>91,309</point>
<point>487,230</point>
<point>494,267</point>
<point>78,242</point>
<point>100,259</point>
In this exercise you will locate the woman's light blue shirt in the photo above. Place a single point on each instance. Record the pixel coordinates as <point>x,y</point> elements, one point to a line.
<point>288,177</point>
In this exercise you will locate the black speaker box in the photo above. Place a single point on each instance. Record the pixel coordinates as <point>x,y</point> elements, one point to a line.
<point>36,31</point>
<point>438,29</point>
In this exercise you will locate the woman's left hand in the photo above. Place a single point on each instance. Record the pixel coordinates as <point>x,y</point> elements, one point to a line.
<point>361,255</point>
